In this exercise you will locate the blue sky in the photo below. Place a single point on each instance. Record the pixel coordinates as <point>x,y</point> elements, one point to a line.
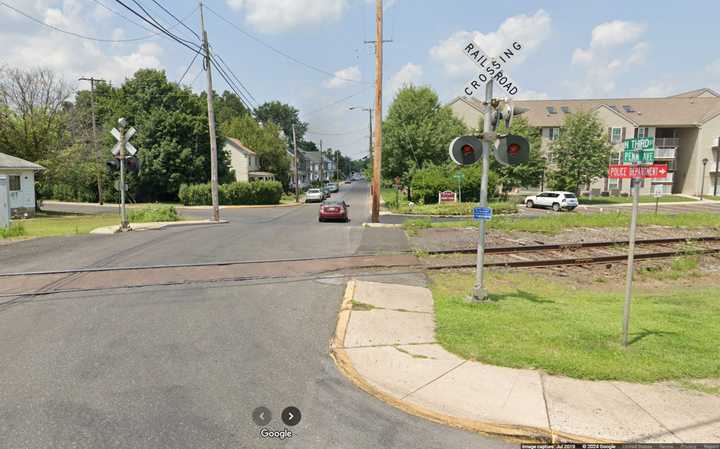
<point>572,49</point>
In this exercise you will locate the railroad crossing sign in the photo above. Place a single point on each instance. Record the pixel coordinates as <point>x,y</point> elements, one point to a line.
<point>639,151</point>
<point>482,213</point>
<point>129,149</point>
<point>639,171</point>
<point>491,69</point>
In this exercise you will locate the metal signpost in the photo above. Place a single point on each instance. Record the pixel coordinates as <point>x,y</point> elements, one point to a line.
<point>4,201</point>
<point>460,176</point>
<point>120,151</point>
<point>641,150</point>
<point>657,193</point>
<point>491,72</point>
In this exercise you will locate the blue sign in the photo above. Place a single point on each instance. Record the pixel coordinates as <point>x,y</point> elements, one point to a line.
<point>482,213</point>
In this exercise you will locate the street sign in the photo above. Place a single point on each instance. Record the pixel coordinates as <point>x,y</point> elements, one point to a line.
<point>491,69</point>
<point>639,157</point>
<point>658,190</point>
<point>642,143</point>
<point>446,196</point>
<point>641,171</point>
<point>482,213</point>
<point>459,176</point>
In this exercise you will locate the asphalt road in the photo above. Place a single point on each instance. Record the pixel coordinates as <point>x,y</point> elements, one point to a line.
<point>184,366</point>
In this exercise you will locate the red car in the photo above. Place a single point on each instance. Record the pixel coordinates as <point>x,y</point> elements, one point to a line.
<point>333,210</point>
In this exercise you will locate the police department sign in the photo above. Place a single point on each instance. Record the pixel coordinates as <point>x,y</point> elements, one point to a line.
<point>491,69</point>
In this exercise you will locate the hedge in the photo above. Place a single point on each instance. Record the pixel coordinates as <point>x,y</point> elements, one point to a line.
<point>428,181</point>
<point>236,193</point>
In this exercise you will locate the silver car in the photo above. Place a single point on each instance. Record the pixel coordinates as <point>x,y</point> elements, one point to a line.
<point>314,196</point>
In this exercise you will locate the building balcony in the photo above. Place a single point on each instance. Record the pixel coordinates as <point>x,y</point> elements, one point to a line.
<point>664,153</point>
<point>667,142</point>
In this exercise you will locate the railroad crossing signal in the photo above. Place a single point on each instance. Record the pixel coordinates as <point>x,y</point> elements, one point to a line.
<point>129,148</point>
<point>491,69</point>
<point>512,150</point>
<point>466,150</point>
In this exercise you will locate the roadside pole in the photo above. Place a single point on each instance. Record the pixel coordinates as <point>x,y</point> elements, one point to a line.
<point>635,185</point>
<point>94,134</point>
<point>479,292</point>
<point>322,180</point>
<point>123,211</point>
<point>297,188</point>
<point>211,123</point>
<point>377,157</point>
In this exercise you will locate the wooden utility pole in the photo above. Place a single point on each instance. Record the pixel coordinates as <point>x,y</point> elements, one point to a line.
<point>322,180</point>
<point>297,188</point>
<point>337,166</point>
<point>377,156</point>
<point>98,166</point>
<point>211,122</point>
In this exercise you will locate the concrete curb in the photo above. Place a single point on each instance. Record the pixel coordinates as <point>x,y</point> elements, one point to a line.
<point>512,432</point>
<point>381,225</point>
<point>106,230</point>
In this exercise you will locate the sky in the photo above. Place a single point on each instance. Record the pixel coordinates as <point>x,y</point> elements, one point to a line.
<point>311,53</point>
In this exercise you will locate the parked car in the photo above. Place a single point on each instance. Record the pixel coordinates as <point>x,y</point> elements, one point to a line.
<point>326,192</point>
<point>333,210</point>
<point>347,181</point>
<point>333,188</point>
<point>314,195</point>
<point>556,200</point>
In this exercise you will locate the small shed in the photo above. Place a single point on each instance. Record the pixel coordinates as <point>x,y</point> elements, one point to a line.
<point>21,176</point>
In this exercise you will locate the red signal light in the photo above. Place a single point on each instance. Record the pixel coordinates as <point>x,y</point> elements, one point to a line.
<point>513,149</point>
<point>467,149</point>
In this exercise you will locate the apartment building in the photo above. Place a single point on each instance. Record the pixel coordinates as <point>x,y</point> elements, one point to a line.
<point>686,128</point>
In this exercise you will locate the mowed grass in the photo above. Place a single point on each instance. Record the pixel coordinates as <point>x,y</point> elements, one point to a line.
<point>465,208</point>
<point>535,322</point>
<point>556,223</point>
<point>585,200</point>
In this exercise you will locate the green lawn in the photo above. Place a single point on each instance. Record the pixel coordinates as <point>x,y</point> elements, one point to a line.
<point>53,224</point>
<point>389,197</point>
<point>584,200</point>
<point>533,322</point>
<point>556,223</point>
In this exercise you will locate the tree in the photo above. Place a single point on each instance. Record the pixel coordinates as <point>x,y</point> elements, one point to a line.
<point>228,106</point>
<point>283,115</point>
<point>581,153</point>
<point>265,140</point>
<point>307,145</point>
<point>417,131</point>
<point>524,174</point>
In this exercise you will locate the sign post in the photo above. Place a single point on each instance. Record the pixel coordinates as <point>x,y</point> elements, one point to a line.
<point>657,193</point>
<point>121,148</point>
<point>460,176</point>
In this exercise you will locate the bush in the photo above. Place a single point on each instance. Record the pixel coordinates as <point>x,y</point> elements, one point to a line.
<point>236,193</point>
<point>429,181</point>
<point>15,230</point>
<point>159,212</point>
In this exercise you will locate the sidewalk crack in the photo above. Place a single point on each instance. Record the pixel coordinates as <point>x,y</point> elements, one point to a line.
<point>434,380</point>
<point>646,411</point>
<point>545,401</point>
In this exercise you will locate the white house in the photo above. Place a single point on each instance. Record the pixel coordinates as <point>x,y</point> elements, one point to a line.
<point>21,174</point>
<point>244,162</point>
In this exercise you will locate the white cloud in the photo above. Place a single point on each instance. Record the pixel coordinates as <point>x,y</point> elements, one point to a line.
<point>409,74</point>
<point>616,32</point>
<point>343,77</point>
<point>274,16</point>
<point>529,30</point>
<point>659,89</point>
<point>614,46</point>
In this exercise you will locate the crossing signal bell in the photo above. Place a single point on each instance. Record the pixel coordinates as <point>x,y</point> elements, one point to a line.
<point>466,150</point>
<point>512,149</point>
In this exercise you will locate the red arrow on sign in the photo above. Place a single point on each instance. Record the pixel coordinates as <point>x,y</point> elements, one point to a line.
<point>641,171</point>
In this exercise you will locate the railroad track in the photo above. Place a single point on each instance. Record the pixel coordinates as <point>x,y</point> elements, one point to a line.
<point>580,253</point>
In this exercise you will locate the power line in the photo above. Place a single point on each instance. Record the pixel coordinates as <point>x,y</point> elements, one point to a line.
<point>188,68</point>
<point>280,52</point>
<point>128,19</point>
<point>71,33</point>
<point>236,78</point>
<point>158,24</point>
<point>232,85</point>
<point>181,22</point>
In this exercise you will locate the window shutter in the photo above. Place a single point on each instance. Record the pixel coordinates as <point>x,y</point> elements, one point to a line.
<point>609,135</point>
<point>623,134</point>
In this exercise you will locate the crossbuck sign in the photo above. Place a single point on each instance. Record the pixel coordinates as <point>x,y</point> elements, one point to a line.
<point>491,69</point>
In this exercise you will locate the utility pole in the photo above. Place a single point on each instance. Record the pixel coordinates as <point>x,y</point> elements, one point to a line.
<point>479,292</point>
<point>377,156</point>
<point>337,166</point>
<point>211,122</point>
<point>322,180</point>
<point>297,189</point>
<point>370,120</point>
<point>98,168</point>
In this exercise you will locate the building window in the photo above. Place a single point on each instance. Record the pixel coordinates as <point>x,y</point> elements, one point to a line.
<point>553,133</point>
<point>613,184</point>
<point>14,183</point>
<point>616,136</point>
<point>642,132</point>
<point>551,110</point>
<point>615,158</point>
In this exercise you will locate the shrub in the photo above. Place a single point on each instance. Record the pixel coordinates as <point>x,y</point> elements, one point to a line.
<point>157,212</point>
<point>236,193</point>
<point>15,230</point>
<point>428,181</point>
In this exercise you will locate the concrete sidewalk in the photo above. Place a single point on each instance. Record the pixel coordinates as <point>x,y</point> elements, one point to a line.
<point>385,343</point>
<point>155,225</point>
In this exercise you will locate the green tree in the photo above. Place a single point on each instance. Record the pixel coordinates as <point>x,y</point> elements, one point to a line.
<point>228,106</point>
<point>417,131</point>
<point>283,115</point>
<point>265,140</point>
<point>581,153</point>
<point>524,174</point>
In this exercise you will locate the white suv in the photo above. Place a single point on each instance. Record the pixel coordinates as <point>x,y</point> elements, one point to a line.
<point>556,200</point>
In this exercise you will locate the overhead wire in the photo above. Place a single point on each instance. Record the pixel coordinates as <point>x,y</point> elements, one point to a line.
<point>282,53</point>
<point>249,94</point>
<point>188,68</point>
